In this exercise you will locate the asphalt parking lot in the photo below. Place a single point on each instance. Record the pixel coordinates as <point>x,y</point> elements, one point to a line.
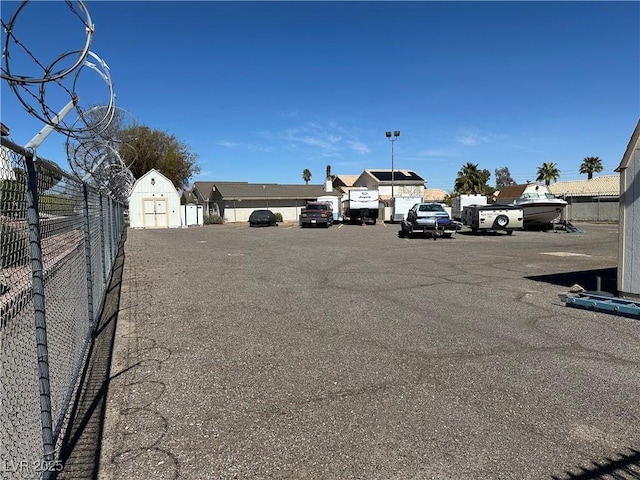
<point>348,352</point>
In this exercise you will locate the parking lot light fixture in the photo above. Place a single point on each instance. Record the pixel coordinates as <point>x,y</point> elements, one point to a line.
<point>392,138</point>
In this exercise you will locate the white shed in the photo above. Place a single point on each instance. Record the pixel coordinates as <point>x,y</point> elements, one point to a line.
<point>154,202</point>
<point>629,236</point>
<point>191,214</point>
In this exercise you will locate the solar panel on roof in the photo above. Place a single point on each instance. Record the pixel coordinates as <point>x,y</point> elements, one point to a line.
<point>385,176</point>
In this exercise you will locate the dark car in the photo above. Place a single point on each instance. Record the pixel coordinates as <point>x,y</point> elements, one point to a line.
<point>262,218</point>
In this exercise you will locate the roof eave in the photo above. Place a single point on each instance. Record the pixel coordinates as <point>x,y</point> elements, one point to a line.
<point>631,146</point>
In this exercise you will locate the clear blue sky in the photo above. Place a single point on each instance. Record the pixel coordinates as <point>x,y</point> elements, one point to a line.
<point>262,90</point>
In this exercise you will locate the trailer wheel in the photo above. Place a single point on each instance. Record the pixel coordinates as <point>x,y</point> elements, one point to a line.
<point>502,221</point>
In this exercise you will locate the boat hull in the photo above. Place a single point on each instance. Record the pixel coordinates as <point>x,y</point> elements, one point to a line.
<point>541,214</point>
<point>539,206</point>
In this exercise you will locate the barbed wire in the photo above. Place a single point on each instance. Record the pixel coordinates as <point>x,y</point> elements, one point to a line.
<point>94,134</point>
<point>11,38</point>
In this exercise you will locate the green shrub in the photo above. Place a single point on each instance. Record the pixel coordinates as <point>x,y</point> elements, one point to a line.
<point>278,217</point>
<point>14,245</point>
<point>12,198</point>
<point>56,204</point>
<point>213,219</point>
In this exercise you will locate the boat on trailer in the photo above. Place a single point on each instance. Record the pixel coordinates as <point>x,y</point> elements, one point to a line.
<point>540,207</point>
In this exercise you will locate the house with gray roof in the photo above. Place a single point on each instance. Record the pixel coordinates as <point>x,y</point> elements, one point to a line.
<point>234,201</point>
<point>201,193</point>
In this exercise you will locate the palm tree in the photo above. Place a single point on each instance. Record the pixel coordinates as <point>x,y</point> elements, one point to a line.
<point>591,165</point>
<point>471,179</point>
<point>306,175</point>
<point>547,173</point>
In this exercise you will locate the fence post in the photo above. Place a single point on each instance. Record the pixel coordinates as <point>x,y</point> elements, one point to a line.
<point>102,243</point>
<point>112,230</point>
<point>87,253</point>
<point>35,251</point>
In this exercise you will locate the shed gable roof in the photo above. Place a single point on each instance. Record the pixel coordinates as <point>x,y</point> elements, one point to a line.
<point>634,144</point>
<point>157,173</point>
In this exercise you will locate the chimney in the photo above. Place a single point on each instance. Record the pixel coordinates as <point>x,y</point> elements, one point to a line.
<point>328,183</point>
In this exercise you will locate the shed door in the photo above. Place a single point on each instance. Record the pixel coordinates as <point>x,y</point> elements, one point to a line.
<point>155,212</point>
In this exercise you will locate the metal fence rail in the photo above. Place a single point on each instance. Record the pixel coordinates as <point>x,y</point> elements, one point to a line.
<point>59,239</point>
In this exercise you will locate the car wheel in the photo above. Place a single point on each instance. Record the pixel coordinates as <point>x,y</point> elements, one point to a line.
<point>502,221</point>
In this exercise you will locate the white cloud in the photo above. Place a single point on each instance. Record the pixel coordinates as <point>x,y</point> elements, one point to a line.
<point>260,148</point>
<point>436,153</point>
<point>359,147</point>
<point>473,136</point>
<point>227,144</point>
<point>318,139</point>
<point>290,114</point>
<point>313,135</point>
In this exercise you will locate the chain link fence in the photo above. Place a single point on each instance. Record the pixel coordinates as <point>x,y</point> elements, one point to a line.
<point>59,241</point>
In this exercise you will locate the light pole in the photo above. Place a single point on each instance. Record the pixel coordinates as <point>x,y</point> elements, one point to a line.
<point>392,139</point>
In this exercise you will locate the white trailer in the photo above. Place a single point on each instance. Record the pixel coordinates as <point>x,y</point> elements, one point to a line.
<point>493,218</point>
<point>334,200</point>
<point>458,203</point>
<point>362,206</point>
<point>402,205</point>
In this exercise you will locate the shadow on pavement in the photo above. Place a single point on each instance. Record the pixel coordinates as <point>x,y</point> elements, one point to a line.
<point>80,447</point>
<point>587,279</point>
<point>626,467</point>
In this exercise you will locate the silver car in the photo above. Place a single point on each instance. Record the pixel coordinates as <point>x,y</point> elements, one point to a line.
<point>428,214</point>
